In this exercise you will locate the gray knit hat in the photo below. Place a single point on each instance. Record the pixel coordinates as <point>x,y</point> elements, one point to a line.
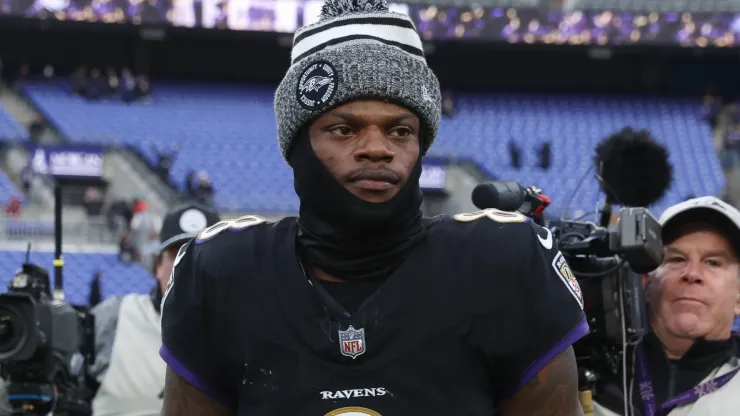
<point>358,49</point>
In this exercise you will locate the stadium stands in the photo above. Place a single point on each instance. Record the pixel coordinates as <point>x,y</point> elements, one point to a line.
<point>117,278</point>
<point>8,190</point>
<point>9,128</point>
<point>229,131</point>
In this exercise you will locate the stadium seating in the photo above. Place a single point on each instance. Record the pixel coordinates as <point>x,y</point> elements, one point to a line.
<point>229,131</point>
<point>9,128</point>
<point>117,278</point>
<point>8,190</point>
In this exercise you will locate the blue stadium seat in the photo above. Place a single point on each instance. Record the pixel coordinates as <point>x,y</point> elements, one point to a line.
<point>8,190</point>
<point>117,278</point>
<point>229,131</point>
<point>9,128</point>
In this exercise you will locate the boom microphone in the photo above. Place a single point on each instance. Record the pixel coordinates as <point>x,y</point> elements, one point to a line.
<point>503,195</point>
<point>633,168</point>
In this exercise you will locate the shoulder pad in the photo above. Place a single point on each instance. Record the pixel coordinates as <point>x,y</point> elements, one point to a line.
<point>237,224</point>
<point>495,215</point>
<point>512,228</point>
<point>490,224</point>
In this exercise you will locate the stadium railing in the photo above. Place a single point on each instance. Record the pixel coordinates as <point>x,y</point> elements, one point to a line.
<point>92,230</point>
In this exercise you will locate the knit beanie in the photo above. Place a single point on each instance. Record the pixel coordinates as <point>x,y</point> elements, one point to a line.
<point>357,50</point>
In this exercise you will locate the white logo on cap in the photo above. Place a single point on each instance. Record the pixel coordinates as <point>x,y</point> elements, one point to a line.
<point>317,85</point>
<point>193,220</point>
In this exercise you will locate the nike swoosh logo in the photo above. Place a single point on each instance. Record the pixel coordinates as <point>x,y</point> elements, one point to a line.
<point>546,242</point>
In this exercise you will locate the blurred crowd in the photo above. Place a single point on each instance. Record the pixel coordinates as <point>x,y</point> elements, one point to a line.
<point>95,84</point>
<point>527,25</point>
<point>578,27</point>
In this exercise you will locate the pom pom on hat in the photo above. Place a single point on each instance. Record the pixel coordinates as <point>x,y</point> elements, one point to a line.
<point>337,8</point>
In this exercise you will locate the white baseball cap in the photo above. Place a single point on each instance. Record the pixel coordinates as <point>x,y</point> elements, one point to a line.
<point>704,208</point>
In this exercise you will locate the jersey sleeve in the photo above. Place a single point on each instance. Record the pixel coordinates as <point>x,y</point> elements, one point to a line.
<point>190,327</point>
<point>539,313</point>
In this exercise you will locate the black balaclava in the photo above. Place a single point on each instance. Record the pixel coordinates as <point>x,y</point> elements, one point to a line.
<point>344,235</point>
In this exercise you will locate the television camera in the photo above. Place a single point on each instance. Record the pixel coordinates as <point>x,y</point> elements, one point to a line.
<point>45,343</point>
<point>608,262</point>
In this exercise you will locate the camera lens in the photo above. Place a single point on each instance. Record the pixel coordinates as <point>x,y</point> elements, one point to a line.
<point>12,331</point>
<point>6,330</point>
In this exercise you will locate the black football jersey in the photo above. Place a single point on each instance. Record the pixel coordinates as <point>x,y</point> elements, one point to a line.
<point>477,309</point>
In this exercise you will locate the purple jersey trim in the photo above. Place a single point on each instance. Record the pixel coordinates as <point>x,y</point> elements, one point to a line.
<point>580,331</point>
<point>183,371</point>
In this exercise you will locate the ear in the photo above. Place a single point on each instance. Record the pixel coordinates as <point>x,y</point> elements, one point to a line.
<point>737,301</point>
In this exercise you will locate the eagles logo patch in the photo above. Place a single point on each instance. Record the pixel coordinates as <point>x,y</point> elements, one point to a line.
<point>317,85</point>
<point>566,275</point>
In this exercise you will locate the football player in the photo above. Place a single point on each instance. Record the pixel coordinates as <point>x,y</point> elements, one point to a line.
<point>360,306</point>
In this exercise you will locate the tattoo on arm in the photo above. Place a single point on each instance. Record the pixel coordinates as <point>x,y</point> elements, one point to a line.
<point>183,399</point>
<point>552,392</point>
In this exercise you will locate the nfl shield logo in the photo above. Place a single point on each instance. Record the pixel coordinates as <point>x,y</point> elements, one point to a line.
<point>352,342</point>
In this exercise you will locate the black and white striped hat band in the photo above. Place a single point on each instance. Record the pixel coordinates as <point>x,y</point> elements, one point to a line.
<point>392,29</point>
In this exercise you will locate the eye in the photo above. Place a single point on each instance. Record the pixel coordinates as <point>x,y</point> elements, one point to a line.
<point>401,132</point>
<point>714,263</point>
<point>675,260</point>
<point>341,130</point>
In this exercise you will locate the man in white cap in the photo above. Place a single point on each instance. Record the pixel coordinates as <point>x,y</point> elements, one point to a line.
<point>688,362</point>
<point>128,373</point>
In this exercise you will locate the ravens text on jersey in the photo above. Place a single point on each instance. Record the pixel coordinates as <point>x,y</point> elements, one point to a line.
<point>478,308</point>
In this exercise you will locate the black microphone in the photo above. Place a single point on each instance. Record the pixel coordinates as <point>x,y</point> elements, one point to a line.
<point>633,167</point>
<point>503,195</point>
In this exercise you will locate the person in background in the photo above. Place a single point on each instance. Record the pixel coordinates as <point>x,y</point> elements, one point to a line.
<point>515,155</point>
<point>688,363</point>
<point>165,158</point>
<point>13,208</point>
<point>189,184</point>
<point>711,106</point>
<point>204,189</point>
<point>93,201</point>
<point>112,81</point>
<point>127,86</point>
<point>48,73</point>
<point>127,251</point>
<point>544,156</point>
<point>96,293</point>
<point>79,80</point>
<point>96,85</point>
<point>128,374</point>
<point>144,224</point>
<point>27,176</point>
<point>143,87</point>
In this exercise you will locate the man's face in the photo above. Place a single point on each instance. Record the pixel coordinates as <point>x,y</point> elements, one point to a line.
<point>370,147</point>
<point>166,264</point>
<point>695,291</point>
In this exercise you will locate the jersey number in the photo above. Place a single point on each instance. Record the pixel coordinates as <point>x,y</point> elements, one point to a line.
<point>235,225</point>
<point>492,214</point>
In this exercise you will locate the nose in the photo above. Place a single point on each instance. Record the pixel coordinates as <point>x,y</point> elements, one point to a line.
<point>374,147</point>
<point>692,274</point>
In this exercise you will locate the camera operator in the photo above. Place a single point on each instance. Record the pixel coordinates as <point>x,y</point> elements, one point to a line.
<point>687,363</point>
<point>128,372</point>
